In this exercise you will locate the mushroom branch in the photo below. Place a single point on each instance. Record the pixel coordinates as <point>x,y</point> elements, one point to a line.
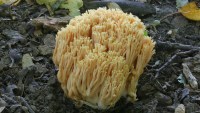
<point>101,55</point>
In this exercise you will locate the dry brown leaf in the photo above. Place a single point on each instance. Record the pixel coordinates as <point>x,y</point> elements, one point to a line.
<point>191,11</point>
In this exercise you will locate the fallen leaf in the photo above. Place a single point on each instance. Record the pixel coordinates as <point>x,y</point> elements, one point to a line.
<point>73,6</point>
<point>12,34</point>
<point>8,2</point>
<point>191,11</point>
<point>113,5</point>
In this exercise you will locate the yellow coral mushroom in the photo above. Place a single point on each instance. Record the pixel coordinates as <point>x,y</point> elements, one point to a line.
<point>101,55</point>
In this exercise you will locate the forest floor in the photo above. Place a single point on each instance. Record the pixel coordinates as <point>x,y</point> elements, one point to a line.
<point>28,82</point>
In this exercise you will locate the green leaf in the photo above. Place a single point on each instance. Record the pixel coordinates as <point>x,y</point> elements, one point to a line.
<point>73,6</point>
<point>56,5</point>
<point>145,33</point>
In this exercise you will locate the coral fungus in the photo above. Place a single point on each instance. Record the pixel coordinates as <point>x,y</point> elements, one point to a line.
<point>100,56</point>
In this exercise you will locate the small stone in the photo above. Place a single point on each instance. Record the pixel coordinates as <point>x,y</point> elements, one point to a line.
<point>163,99</point>
<point>35,51</point>
<point>169,32</point>
<point>27,61</point>
<point>25,109</point>
<point>22,27</point>
<point>41,68</point>
<point>45,50</point>
<point>49,96</point>
<point>180,109</point>
<point>145,90</point>
<point>14,54</point>
<point>34,108</point>
<point>52,81</point>
<point>49,40</point>
<point>12,34</point>
<point>31,89</point>
<point>192,108</point>
<point>13,108</point>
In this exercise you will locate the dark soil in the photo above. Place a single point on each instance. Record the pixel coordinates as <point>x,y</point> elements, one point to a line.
<point>35,89</point>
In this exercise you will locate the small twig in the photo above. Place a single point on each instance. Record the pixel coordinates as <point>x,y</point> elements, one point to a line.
<point>39,76</point>
<point>171,14</point>
<point>176,45</point>
<point>5,19</point>
<point>171,59</point>
<point>27,105</point>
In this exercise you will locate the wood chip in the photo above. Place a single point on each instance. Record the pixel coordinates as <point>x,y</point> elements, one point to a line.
<point>189,76</point>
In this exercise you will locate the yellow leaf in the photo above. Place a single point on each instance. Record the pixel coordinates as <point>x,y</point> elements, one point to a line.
<point>191,11</point>
<point>1,2</point>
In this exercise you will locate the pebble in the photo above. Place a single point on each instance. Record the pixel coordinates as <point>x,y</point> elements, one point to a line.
<point>192,108</point>
<point>45,50</point>
<point>163,99</point>
<point>25,109</point>
<point>41,68</point>
<point>15,56</point>
<point>49,96</point>
<point>34,108</point>
<point>12,34</point>
<point>180,109</point>
<point>49,40</point>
